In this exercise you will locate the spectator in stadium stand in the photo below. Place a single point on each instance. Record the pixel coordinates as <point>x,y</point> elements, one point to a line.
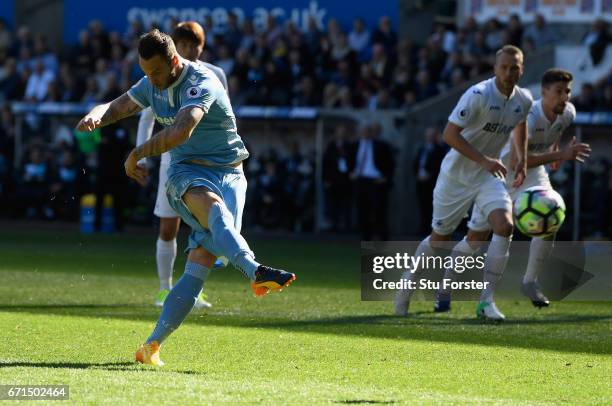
<point>385,35</point>
<point>426,166</point>
<point>359,39</point>
<point>38,83</point>
<point>372,165</point>
<point>10,81</point>
<point>424,87</point>
<point>540,33</point>
<point>587,100</point>
<point>6,37</point>
<point>63,188</point>
<point>34,181</point>
<point>606,101</point>
<point>597,39</point>
<point>42,53</point>
<point>268,204</point>
<point>336,180</point>
<point>233,35</point>
<point>515,30</point>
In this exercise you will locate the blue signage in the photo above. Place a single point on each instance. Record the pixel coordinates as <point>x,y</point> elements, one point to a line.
<point>116,15</point>
<point>7,11</point>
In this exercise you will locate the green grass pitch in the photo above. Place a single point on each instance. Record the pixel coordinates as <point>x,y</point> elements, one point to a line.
<point>73,310</point>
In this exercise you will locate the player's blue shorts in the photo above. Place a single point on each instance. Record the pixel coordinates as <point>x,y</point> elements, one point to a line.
<point>226,182</point>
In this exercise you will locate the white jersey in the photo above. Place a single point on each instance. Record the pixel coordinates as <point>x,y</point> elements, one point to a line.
<point>487,118</point>
<point>147,118</point>
<point>542,134</point>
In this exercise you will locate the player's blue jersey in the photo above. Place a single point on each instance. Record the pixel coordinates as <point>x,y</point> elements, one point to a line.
<point>215,140</point>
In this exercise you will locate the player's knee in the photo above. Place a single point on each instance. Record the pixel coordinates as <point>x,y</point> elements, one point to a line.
<point>202,256</point>
<point>504,228</point>
<point>168,229</point>
<point>199,200</point>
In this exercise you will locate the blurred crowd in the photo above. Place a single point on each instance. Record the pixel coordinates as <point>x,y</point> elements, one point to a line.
<point>279,65</point>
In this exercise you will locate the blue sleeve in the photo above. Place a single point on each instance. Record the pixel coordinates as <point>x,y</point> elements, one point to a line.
<point>201,95</point>
<point>140,93</point>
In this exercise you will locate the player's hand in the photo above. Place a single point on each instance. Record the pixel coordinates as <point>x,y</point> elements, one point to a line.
<point>134,171</point>
<point>520,173</point>
<point>88,123</point>
<point>495,167</point>
<point>574,151</point>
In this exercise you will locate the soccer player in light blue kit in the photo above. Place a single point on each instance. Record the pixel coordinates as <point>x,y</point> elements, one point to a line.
<point>206,185</point>
<point>189,38</point>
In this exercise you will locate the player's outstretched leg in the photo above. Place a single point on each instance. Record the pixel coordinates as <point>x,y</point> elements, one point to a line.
<point>539,251</point>
<point>177,306</point>
<point>211,212</point>
<point>495,263</point>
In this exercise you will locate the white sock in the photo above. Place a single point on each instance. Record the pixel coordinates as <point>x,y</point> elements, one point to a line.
<point>495,264</point>
<point>425,249</point>
<point>462,248</point>
<point>165,254</point>
<point>539,251</point>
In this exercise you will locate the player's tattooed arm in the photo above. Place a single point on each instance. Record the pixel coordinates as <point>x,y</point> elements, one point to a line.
<point>108,113</point>
<point>170,137</point>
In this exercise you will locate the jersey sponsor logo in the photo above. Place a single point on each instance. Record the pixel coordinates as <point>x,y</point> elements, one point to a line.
<point>159,96</point>
<point>476,92</point>
<point>494,108</point>
<point>497,128</point>
<point>538,130</point>
<point>165,121</point>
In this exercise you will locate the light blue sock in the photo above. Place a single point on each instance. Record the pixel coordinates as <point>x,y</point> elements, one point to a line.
<point>180,301</point>
<point>232,245</point>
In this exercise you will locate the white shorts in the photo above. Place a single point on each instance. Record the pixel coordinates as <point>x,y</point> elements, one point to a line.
<point>534,178</point>
<point>162,206</point>
<point>452,201</point>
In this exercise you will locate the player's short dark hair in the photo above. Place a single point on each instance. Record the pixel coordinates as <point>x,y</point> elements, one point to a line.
<point>189,31</point>
<point>154,43</point>
<point>556,75</point>
<point>510,50</point>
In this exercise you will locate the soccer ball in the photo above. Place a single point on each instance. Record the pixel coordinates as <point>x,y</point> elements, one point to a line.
<point>539,212</point>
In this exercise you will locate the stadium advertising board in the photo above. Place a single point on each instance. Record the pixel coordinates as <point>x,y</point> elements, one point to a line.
<point>116,14</point>
<point>570,11</point>
<point>7,11</point>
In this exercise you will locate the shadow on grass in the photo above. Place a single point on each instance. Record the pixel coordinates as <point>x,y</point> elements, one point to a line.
<point>108,366</point>
<point>546,333</point>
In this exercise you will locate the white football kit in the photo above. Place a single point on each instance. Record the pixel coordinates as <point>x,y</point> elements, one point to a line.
<point>542,135</point>
<point>145,130</point>
<point>487,118</point>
